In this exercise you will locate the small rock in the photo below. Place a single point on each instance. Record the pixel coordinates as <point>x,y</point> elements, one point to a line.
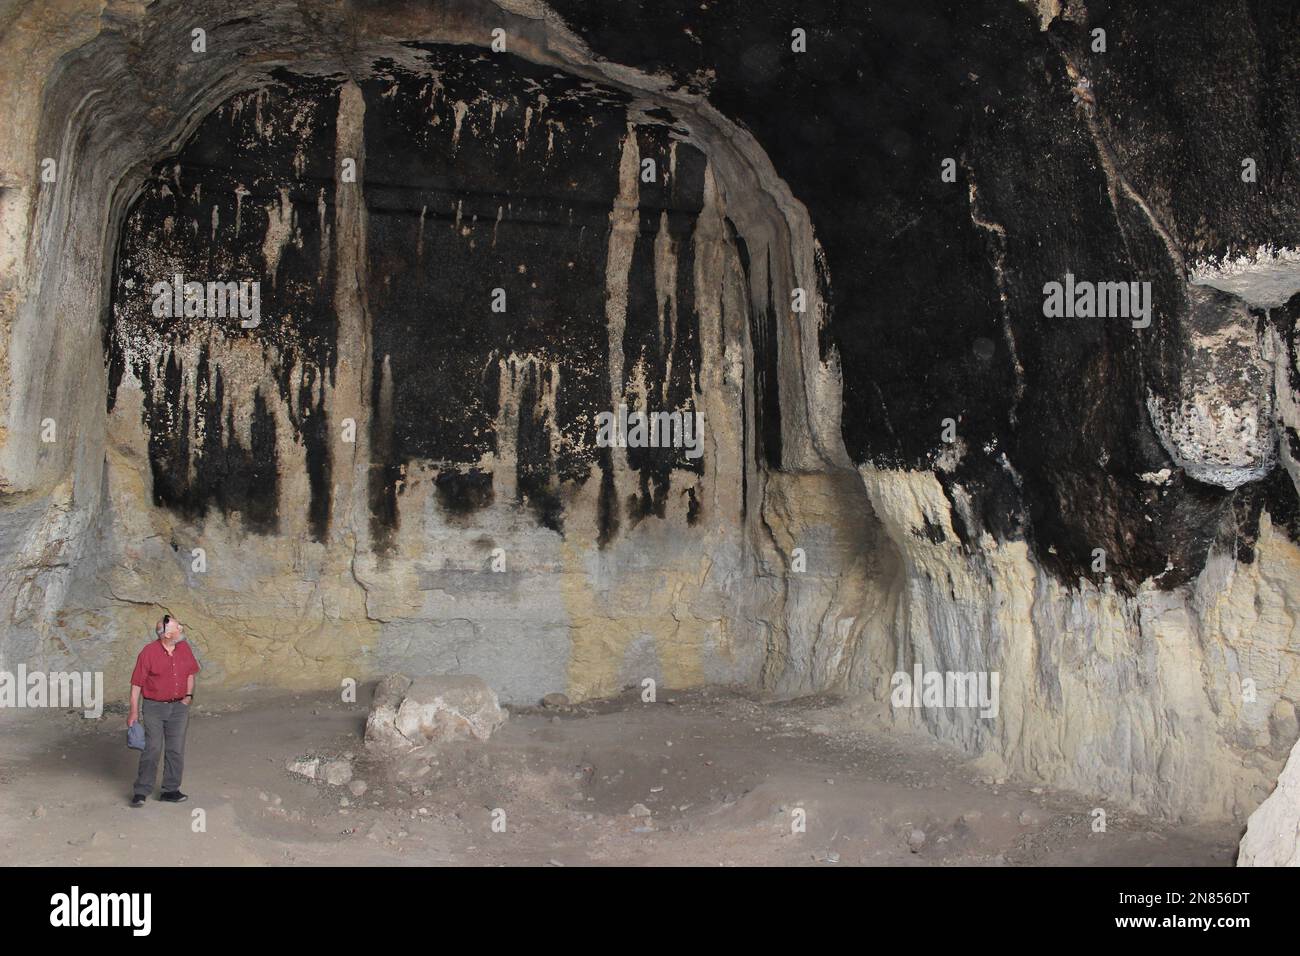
<point>639,810</point>
<point>357,787</point>
<point>1027,818</point>
<point>39,812</point>
<point>832,857</point>
<point>304,767</point>
<point>916,840</point>
<point>337,772</point>
<point>555,701</point>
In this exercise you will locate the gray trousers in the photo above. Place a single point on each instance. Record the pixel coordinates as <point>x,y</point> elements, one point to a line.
<point>164,734</point>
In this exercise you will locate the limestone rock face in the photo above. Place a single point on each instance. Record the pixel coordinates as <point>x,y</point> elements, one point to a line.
<point>1273,831</point>
<point>407,713</point>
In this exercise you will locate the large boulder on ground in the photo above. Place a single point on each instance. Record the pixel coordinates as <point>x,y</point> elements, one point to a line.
<point>1273,830</point>
<point>407,713</point>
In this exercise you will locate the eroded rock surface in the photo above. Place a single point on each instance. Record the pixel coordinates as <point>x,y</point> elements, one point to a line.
<point>1273,831</point>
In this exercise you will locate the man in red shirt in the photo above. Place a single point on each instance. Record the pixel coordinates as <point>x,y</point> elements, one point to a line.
<point>164,678</point>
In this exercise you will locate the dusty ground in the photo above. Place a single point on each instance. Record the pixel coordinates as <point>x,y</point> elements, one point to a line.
<point>720,773</point>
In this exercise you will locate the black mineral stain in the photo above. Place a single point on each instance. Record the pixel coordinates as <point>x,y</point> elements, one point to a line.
<point>693,506</point>
<point>501,175</point>
<point>930,532</point>
<point>482,173</point>
<point>607,515</point>
<point>205,215</point>
<point>766,359</point>
<point>473,177</point>
<point>1053,422</point>
<point>220,472</point>
<point>534,472</point>
<point>661,337</point>
<point>461,493</point>
<point>314,427</point>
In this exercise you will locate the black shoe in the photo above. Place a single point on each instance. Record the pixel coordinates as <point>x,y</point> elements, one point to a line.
<point>172,796</point>
<point>137,801</point>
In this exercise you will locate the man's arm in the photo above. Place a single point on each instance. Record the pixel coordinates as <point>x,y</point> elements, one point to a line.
<point>189,689</point>
<point>134,715</point>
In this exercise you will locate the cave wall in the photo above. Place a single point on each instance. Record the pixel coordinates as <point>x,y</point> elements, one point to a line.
<point>1171,447</point>
<point>325,556</point>
<point>1166,675</point>
<point>475,429</point>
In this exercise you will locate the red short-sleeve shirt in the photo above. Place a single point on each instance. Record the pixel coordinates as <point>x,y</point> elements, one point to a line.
<point>162,676</point>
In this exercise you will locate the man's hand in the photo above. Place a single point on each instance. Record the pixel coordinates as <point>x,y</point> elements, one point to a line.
<point>131,718</point>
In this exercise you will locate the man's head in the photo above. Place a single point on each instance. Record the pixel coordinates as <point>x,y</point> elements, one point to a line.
<point>168,628</point>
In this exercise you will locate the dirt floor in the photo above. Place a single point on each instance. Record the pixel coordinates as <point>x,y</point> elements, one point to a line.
<point>723,777</point>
